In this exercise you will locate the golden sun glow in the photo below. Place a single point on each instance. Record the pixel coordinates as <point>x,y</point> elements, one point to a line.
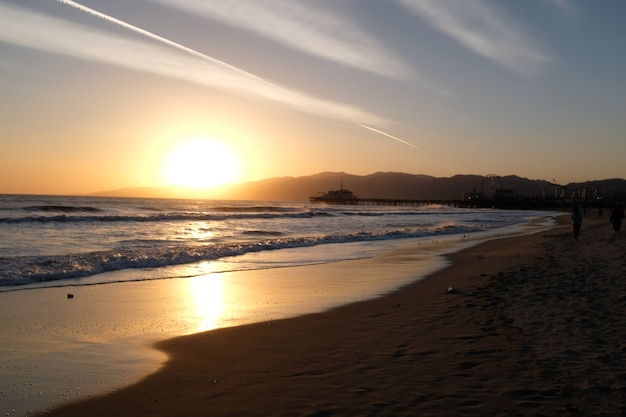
<point>200,163</point>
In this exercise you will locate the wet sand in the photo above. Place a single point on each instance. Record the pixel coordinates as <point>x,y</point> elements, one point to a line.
<point>532,325</point>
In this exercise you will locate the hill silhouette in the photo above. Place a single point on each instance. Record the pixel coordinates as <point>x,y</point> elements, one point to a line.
<point>392,185</point>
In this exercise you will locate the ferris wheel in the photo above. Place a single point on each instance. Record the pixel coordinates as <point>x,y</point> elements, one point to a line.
<point>490,184</point>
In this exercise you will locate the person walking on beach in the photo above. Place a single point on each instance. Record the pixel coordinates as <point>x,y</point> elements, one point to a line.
<point>616,220</point>
<point>577,220</point>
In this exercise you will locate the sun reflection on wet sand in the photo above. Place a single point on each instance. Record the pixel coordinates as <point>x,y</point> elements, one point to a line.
<point>207,295</point>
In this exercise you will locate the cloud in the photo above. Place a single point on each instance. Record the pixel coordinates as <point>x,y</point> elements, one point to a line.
<point>305,27</point>
<point>484,30</point>
<point>30,29</point>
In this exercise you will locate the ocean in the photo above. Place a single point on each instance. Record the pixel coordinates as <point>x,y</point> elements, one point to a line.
<point>65,241</point>
<point>142,270</point>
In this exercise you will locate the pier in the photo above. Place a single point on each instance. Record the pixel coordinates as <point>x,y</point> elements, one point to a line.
<point>390,202</point>
<point>345,197</point>
<point>472,200</point>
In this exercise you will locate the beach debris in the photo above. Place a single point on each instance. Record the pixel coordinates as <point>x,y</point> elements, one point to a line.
<point>70,295</point>
<point>451,290</point>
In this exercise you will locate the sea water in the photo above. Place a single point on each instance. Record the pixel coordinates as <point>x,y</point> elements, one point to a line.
<point>51,241</point>
<point>154,248</point>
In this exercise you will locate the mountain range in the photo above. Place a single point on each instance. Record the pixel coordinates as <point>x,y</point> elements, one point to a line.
<point>393,185</point>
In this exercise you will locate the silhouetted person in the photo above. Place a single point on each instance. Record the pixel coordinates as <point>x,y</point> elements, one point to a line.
<point>577,221</point>
<point>616,220</point>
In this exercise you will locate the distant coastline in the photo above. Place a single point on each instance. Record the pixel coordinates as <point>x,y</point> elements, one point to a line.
<point>388,185</point>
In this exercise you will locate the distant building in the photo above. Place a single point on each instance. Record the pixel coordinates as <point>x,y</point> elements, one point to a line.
<point>504,196</point>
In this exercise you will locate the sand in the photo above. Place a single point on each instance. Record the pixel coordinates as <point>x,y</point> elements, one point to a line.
<point>533,325</point>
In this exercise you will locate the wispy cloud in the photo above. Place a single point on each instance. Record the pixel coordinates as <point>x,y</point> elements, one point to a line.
<point>307,27</point>
<point>27,28</point>
<point>31,29</point>
<point>485,30</point>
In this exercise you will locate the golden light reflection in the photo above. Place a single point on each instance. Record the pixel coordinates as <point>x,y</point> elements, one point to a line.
<point>207,295</point>
<point>200,230</point>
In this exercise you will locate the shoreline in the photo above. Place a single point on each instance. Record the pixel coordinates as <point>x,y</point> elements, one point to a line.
<point>61,350</point>
<point>421,349</point>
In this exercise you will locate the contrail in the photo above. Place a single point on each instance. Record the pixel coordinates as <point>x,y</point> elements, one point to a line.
<point>387,134</point>
<point>195,53</point>
<point>161,39</point>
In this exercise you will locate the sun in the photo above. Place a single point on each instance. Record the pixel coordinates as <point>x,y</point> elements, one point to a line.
<point>200,163</point>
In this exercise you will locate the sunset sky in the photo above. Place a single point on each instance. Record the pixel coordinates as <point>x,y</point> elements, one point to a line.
<point>106,94</point>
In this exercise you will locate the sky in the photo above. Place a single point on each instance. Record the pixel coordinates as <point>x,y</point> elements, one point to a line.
<point>107,94</point>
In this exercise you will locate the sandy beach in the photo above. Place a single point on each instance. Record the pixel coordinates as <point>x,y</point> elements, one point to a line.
<point>532,326</point>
